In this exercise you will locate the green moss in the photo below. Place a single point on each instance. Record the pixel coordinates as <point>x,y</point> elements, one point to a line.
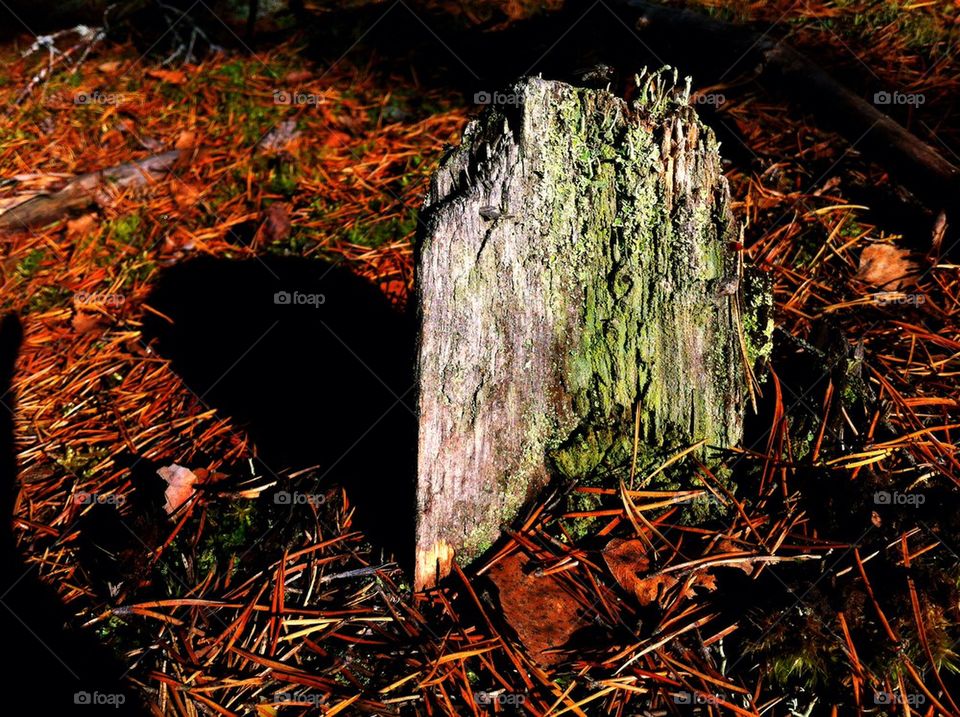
<point>235,73</point>
<point>284,180</point>
<point>48,297</point>
<point>126,230</point>
<point>30,264</point>
<point>637,240</point>
<point>922,31</point>
<point>630,327</point>
<point>108,628</point>
<point>78,462</point>
<point>758,316</point>
<point>378,233</point>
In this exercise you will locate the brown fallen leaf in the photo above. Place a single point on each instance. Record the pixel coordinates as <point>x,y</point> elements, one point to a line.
<point>81,226</point>
<point>186,140</point>
<point>85,322</point>
<point>542,613</point>
<point>335,138</point>
<point>174,77</point>
<point>276,223</point>
<point>886,267</point>
<point>652,588</point>
<point>109,68</point>
<point>185,195</point>
<point>626,558</point>
<point>707,581</point>
<point>295,76</point>
<point>728,546</point>
<point>629,565</point>
<point>180,482</point>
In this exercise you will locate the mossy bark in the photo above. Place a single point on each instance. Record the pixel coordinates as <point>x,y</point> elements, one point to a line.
<point>574,269</point>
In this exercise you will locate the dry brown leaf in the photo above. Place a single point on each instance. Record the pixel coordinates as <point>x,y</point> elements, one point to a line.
<point>109,68</point>
<point>540,611</point>
<point>886,267</point>
<point>336,138</point>
<point>81,226</point>
<point>180,482</point>
<point>186,140</point>
<point>651,588</point>
<point>276,223</point>
<point>627,561</point>
<point>84,322</point>
<point>174,77</point>
<point>298,76</point>
<point>728,546</point>
<point>626,558</point>
<point>185,195</point>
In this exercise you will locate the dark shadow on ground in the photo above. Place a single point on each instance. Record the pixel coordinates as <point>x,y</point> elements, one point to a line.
<point>50,667</point>
<point>313,362</point>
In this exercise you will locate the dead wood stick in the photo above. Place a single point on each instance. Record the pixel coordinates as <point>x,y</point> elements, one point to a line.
<point>83,191</point>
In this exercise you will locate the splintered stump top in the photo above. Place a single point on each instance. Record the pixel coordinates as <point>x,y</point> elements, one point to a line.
<point>575,275</point>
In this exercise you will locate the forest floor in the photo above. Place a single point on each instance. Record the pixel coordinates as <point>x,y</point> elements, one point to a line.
<point>832,584</point>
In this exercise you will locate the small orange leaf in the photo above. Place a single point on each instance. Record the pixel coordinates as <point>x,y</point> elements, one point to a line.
<point>186,140</point>
<point>81,226</point>
<point>174,77</point>
<point>180,482</point>
<point>298,76</point>
<point>276,223</point>
<point>886,267</point>
<point>84,322</point>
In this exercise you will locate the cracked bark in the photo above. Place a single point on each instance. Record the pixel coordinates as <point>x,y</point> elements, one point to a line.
<point>574,271</point>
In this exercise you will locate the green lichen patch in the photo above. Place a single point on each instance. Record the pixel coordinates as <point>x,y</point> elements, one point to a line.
<point>572,273</point>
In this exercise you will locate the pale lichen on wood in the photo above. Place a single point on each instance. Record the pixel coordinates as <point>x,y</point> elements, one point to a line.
<point>575,268</point>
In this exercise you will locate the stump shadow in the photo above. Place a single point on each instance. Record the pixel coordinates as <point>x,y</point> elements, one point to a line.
<point>50,665</point>
<point>313,362</point>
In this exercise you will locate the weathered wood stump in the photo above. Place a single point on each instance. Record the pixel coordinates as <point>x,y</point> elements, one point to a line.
<point>575,274</point>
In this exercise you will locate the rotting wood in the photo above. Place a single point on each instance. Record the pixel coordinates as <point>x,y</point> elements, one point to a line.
<point>575,273</point>
<point>84,190</point>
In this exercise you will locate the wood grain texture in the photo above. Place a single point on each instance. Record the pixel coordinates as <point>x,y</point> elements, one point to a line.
<point>574,269</point>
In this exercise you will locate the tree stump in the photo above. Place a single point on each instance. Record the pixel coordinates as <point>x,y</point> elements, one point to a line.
<point>576,279</point>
